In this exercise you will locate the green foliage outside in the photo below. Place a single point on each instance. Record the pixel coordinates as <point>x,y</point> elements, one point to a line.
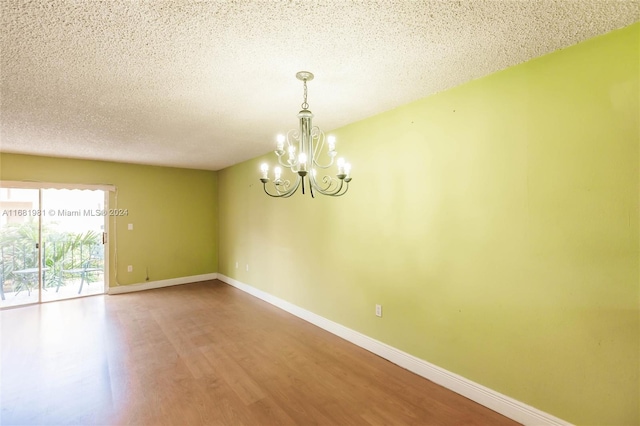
<point>62,251</point>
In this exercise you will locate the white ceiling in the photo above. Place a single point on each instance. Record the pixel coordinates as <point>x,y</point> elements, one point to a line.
<point>208,84</point>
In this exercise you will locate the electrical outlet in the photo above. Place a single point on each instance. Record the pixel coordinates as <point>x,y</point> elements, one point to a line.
<point>378,310</point>
<point>247,266</point>
<point>236,265</point>
<point>130,268</point>
<point>130,227</point>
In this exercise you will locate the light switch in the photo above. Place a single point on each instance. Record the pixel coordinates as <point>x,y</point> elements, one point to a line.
<point>130,227</point>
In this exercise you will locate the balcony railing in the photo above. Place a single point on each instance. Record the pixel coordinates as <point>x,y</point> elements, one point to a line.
<point>66,258</point>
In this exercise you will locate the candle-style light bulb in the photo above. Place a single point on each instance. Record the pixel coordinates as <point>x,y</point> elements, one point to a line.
<point>280,143</point>
<point>340,166</point>
<point>277,172</point>
<point>302,161</point>
<point>292,153</point>
<point>265,169</point>
<point>332,143</point>
<point>347,168</point>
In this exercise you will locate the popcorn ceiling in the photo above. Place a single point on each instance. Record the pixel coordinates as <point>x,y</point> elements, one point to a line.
<point>208,84</point>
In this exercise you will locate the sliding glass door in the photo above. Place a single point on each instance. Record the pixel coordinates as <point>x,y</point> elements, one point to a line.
<point>19,246</point>
<point>72,247</point>
<point>51,244</point>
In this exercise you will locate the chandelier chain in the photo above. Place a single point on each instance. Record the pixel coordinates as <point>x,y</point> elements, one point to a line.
<point>305,105</point>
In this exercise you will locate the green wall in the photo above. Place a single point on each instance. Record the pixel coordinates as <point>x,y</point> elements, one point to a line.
<point>497,223</point>
<point>174,213</point>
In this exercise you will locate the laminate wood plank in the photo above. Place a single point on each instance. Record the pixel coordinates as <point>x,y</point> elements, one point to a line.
<point>232,373</point>
<point>203,354</point>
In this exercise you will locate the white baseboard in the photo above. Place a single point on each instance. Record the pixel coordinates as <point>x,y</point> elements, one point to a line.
<point>496,401</point>
<point>162,283</point>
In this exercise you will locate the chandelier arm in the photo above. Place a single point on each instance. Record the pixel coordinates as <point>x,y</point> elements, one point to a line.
<point>330,182</point>
<point>340,191</point>
<point>346,188</point>
<point>293,135</point>
<point>282,187</point>
<point>320,139</point>
<point>311,189</point>
<point>318,136</point>
<point>323,166</point>
<point>285,194</point>
<point>312,180</point>
<point>287,164</point>
<point>288,195</point>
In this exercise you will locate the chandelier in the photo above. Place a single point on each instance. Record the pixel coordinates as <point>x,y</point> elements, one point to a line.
<point>303,156</point>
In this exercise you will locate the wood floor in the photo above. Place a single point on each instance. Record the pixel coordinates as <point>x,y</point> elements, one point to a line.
<point>203,353</point>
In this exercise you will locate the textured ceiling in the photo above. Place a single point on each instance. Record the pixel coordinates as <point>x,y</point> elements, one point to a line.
<point>208,84</point>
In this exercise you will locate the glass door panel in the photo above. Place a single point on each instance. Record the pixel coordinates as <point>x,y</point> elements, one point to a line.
<point>20,273</point>
<point>72,246</point>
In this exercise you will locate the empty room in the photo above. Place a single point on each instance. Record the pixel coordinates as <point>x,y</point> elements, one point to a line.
<point>335,212</point>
